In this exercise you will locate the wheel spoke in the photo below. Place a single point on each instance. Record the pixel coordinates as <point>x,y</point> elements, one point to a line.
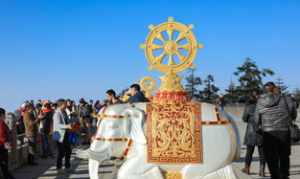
<point>170,33</point>
<point>155,47</point>
<point>171,60</point>
<point>180,56</point>
<point>185,47</point>
<point>180,36</point>
<point>160,58</point>
<point>160,37</point>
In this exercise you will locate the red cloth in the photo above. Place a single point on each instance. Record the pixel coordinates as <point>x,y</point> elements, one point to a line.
<point>3,133</point>
<point>45,110</point>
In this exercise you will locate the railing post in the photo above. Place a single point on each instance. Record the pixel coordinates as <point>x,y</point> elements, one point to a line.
<point>11,123</point>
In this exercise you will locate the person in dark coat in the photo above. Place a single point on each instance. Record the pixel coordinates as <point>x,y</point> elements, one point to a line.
<point>46,127</point>
<point>136,95</point>
<point>252,138</point>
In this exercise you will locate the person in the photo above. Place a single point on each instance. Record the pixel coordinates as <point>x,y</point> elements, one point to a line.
<point>61,127</point>
<point>12,127</point>
<point>220,101</point>
<point>97,106</point>
<point>71,109</point>
<point>274,113</point>
<point>4,146</point>
<point>112,97</point>
<point>46,129</point>
<point>252,138</point>
<point>86,120</point>
<point>136,95</point>
<point>74,119</point>
<point>31,130</point>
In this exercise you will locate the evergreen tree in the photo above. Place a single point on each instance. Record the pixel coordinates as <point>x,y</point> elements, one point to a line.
<point>192,84</point>
<point>280,84</point>
<point>232,95</point>
<point>296,96</point>
<point>250,77</point>
<point>210,91</point>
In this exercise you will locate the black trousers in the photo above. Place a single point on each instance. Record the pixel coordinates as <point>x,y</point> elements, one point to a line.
<point>249,155</point>
<point>277,150</point>
<point>4,163</point>
<point>64,152</point>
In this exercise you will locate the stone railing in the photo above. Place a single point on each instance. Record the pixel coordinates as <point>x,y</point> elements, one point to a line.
<point>19,149</point>
<point>18,153</point>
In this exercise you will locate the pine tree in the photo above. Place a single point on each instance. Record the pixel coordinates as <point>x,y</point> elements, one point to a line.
<point>296,95</point>
<point>280,84</point>
<point>192,84</point>
<point>250,76</point>
<point>232,95</point>
<point>210,91</point>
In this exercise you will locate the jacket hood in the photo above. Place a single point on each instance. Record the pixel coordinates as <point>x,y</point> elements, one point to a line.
<point>269,100</point>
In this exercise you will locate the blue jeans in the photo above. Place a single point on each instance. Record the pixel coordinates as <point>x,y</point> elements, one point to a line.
<point>46,146</point>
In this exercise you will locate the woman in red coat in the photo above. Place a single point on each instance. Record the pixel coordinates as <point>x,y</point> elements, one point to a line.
<point>4,145</point>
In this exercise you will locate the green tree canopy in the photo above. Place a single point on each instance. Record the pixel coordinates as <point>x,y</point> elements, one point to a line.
<point>280,84</point>
<point>250,76</point>
<point>210,90</point>
<point>192,84</point>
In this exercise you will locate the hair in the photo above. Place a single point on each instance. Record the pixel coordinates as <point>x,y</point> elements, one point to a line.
<point>47,105</point>
<point>2,112</point>
<point>38,105</point>
<point>270,83</point>
<point>60,102</point>
<point>82,101</point>
<point>29,106</point>
<point>111,92</point>
<point>136,87</point>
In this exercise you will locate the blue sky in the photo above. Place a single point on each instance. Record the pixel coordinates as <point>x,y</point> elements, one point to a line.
<point>53,49</point>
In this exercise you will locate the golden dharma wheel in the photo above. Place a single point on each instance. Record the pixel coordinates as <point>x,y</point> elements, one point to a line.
<point>171,46</point>
<point>148,84</point>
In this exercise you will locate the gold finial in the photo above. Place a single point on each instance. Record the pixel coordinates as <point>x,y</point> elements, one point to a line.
<point>170,19</point>
<point>200,45</point>
<point>143,46</point>
<point>167,54</point>
<point>151,27</point>
<point>148,84</point>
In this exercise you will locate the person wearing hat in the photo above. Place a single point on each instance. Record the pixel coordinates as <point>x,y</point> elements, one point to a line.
<point>274,112</point>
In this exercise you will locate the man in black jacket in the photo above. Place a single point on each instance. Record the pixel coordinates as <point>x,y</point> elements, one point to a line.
<point>136,95</point>
<point>274,114</point>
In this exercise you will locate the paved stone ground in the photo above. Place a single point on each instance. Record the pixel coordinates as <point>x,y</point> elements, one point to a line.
<point>295,163</point>
<point>295,158</point>
<point>46,168</point>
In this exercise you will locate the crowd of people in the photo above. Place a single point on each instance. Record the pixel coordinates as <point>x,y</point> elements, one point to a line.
<point>62,122</point>
<point>269,117</point>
